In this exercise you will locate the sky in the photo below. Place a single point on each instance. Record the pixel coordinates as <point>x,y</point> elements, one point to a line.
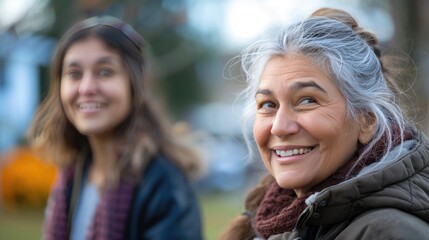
<point>238,22</point>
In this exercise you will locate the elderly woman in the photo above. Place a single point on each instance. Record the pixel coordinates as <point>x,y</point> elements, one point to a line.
<point>343,161</point>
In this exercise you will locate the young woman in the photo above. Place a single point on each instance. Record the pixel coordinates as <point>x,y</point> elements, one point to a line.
<point>123,173</point>
<point>343,162</point>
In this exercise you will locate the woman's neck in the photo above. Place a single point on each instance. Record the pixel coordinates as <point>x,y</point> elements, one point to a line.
<point>104,154</point>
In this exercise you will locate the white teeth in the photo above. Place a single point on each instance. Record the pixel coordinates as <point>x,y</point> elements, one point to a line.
<point>91,106</point>
<point>292,152</point>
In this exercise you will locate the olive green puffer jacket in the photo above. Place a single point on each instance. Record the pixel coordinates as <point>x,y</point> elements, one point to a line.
<point>388,200</point>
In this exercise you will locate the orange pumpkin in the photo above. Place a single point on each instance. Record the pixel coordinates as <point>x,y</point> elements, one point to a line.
<point>25,180</point>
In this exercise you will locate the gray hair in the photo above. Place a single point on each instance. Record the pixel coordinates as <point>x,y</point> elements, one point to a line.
<point>352,63</point>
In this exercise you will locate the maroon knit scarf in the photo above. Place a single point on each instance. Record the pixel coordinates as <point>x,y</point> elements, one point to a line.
<point>110,216</point>
<point>280,208</point>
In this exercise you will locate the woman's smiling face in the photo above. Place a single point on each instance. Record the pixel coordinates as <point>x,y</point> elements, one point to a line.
<point>95,87</point>
<point>301,125</point>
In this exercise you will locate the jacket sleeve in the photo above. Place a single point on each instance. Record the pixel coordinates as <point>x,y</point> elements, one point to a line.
<point>165,206</point>
<point>387,223</point>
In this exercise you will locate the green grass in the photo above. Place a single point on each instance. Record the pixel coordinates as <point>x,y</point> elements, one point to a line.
<point>20,224</point>
<point>218,210</point>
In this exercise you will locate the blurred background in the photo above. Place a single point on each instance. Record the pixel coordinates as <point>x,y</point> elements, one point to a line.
<point>191,45</point>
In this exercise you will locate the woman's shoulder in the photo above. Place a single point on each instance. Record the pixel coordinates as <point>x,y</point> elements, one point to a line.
<point>162,177</point>
<point>165,169</point>
<point>386,223</point>
<point>165,205</point>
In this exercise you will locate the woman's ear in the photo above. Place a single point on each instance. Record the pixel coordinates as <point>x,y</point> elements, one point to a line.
<point>367,126</point>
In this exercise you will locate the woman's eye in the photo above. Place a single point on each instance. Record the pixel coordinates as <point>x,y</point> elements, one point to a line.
<point>105,72</point>
<point>306,100</point>
<point>74,74</point>
<point>267,105</point>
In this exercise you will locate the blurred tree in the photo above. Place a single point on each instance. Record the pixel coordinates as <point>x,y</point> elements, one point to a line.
<point>412,36</point>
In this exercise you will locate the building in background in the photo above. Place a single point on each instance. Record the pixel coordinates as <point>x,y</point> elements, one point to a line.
<point>21,59</point>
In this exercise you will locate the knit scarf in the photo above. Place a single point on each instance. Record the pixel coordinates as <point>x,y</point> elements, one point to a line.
<point>280,208</point>
<point>110,218</point>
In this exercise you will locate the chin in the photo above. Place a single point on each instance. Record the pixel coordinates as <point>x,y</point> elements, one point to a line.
<point>90,131</point>
<point>290,181</point>
<point>283,183</point>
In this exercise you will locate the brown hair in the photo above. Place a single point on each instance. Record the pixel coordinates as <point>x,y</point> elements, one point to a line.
<point>141,135</point>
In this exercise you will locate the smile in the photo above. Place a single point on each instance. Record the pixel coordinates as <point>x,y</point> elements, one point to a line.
<point>292,152</point>
<point>91,106</point>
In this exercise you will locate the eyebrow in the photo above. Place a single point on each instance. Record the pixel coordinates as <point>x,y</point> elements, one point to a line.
<point>105,60</point>
<point>306,84</point>
<point>102,60</point>
<point>263,92</point>
<point>295,86</point>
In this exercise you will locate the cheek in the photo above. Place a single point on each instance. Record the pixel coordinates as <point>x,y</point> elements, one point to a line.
<point>121,89</point>
<point>65,92</point>
<point>122,96</point>
<point>261,131</point>
<point>66,98</point>
<point>324,126</point>
<point>338,144</point>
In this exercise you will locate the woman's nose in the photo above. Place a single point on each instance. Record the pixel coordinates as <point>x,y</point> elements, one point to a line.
<point>88,84</point>
<point>284,124</point>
